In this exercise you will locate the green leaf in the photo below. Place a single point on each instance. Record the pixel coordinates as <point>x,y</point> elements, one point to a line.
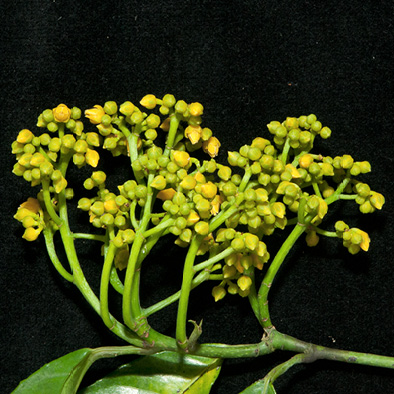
<point>257,388</point>
<point>161,373</point>
<point>59,376</point>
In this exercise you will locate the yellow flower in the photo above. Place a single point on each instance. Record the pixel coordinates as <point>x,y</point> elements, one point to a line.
<point>193,133</point>
<point>364,245</point>
<point>215,204</point>
<point>32,205</point>
<point>62,113</point>
<point>211,146</point>
<point>95,114</point>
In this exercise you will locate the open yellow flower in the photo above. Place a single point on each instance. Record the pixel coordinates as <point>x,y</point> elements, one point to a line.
<point>211,146</point>
<point>62,113</point>
<point>95,114</point>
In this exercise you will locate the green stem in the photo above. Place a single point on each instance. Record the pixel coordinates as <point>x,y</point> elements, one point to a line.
<point>285,152</point>
<point>212,260</point>
<point>104,285</point>
<point>48,202</point>
<point>281,369</point>
<point>48,235</point>
<point>272,271</point>
<point>188,273</point>
<point>336,195</point>
<point>174,123</point>
<point>159,228</point>
<point>316,352</point>
<point>115,281</point>
<point>93,237</point>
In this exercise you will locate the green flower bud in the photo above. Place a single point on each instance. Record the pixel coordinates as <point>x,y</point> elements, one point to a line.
<point>232,158</point>
<point>120,221</point>
<point>238,244</point>
<point>52,127</point>
<point>153,121</point>
<point>84,204</point>
<point>127,108</point>
<point>151,134</point>
<point>254,153</point>
<point>347,161</point>
<point>186,235</point>
<point>107,219</point>
<point>97,208</point>
<point>201,228</point>
<point>68,141</point>
<point>89,184</point>
<point>365,167</point>
<point>169,101</point>
<point>325,132</point>
<point>311,118</point>
<point>159,182</point>
<point>377,200</point>
<point>54,144</point>
<point>93,139</point>
<point>128,235</point>
<point>110,107</point>
<point>305,137</point>
<point>312,239</point>
<point>81,146</point>
<point>341,226</point>
<point>47,116</point>
<point>267,162</point>
<point>141,191</point>
<point>181,106</point>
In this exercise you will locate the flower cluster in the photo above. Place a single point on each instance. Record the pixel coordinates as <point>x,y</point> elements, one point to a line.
<point>266,185</point>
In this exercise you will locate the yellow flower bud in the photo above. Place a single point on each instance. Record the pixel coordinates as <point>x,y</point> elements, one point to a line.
<point>209,190</point>
<point>306,160</point>
<point>192,218</point>
<point>127,108</point>
<point>218,293</point>
<point>193,133</point>
<point>166,194</point>
<point>92,157</point>
<point>251,241</point>
<point>37,159</point>
<point>181,158</point>
<point>278,209</point>
<point>229,271</point>
<point>196,109</point>
<point>25,136</point>
<point>110,206</point>
<point>188,182</point>
<point>95,114</point>
<point>211,146</point>
<point>377,200</point>
<point>202,228</point>
<point>293,171</point>
<point>31,234</point>
<point>364,245</point>
<point>62,113</point>
<point>199,177</point>
<point>21,213</point>
<point>60,184</point>
<point>244,282</point>
<point>159,182</point>
<point>149,101</point>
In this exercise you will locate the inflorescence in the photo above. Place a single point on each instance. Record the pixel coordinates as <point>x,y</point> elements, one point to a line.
<point>231,207</point>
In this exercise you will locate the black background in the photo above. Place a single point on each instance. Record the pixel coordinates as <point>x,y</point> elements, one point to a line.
<point>248,62</point>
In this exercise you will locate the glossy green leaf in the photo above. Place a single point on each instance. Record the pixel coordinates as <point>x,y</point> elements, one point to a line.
<point>161,373</point>
<point>59,376</point>
<point>257,388</point>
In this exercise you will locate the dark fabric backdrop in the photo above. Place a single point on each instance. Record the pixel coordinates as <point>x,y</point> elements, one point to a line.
<point>248,62</point>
